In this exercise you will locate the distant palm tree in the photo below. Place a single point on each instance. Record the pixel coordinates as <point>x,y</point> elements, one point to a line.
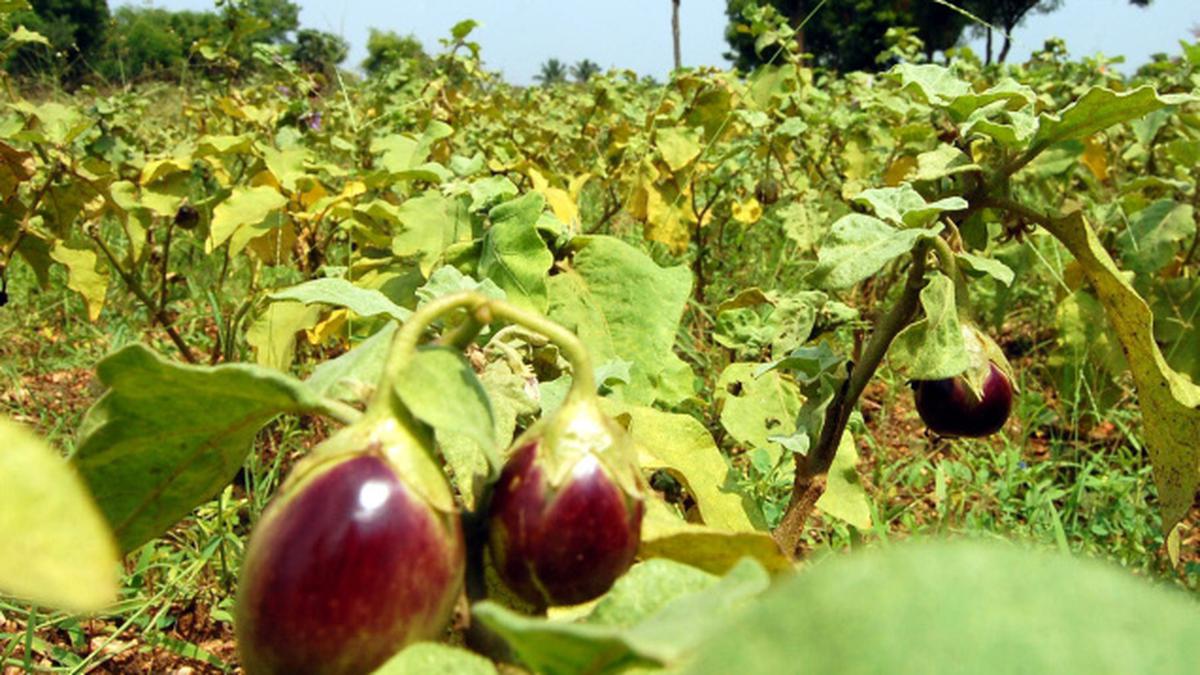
<point>553,72</point>
<point>584,70</point>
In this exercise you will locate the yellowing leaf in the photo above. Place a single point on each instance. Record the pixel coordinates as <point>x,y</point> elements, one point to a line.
<point>678,145</point>
<point>898,171</point>
<point>274,247</point>
<point>246,207</point>
<point>562,205</point>
<point>716,550</point>
<point>1170,403</point>
<point>161,168</point>
<point>273,335</point>
<point>58,549</point>
<point>83,277</point>
<point>1095,158</point>
<point>747,212</point>
<point>330,327</point>
<point>683,447</point>
<point>844,497</point>
<point>666,222</point>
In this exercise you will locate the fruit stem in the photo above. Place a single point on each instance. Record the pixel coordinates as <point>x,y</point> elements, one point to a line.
<point>482,311</point>
<point>408,338</point>
<point>583,376</point>
<point>949,265</point>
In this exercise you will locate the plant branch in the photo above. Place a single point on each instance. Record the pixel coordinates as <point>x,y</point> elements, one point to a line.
<point>346,414</point>
<point>809,482</point>
<point>155,311</point>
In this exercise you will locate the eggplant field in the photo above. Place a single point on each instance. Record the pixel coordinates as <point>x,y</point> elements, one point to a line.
<point>873,349</point>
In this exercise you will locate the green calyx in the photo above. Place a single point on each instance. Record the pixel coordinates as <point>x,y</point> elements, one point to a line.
<point>982,352</point>
<point>580,431</point>
<point>390,433</point>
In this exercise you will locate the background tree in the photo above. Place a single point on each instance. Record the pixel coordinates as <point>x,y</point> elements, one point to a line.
<point>142,40</point>
<point>75,29</point>
<point>318,51</point>
<point>1006,15</point>
<point>388,49</point>
<point>552,71</point>
<point>845,34</point>
<point>583,70</point>
<point>265,20</point>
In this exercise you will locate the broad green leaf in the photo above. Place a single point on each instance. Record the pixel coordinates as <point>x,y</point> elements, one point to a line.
<point>645,589</point>
<point>58,549</point>
<point>1010,128</point>
<point>716,550</point>
<point>428,224</point>
<point>1014,95</point>
<point>554,648</point>
<point>433,658</point>
<point>593,300</point>
<point>448,281</point>
<point>1153,236</point>
<point>364,302</point>
<point>844,497</point>
<point>462,29</point>
<point>354,375</point>
<point>287,166</point>
<point>1170,404</point>
<point>57,123</point>
<point>23,36</point>
<point>473,465</point>
<point>945,161</point>
<point>488,192</point>
<point>905,207</point>
<point>1098,110</point>
<point>858,246</point>
<point>982,265</point>
<point>678,145</point>
<point>514,255</point>
<point>273,335</point>
<point>932,348</point>
<point>660,637</point>
<point>83,277</point>
<point>166,437</point>
<point>245,208</point>
<point>943,608</point>
<point>755,406</point>
<point>936,85</point>
<point>682,446</point>
<point>608,375</point>
<point>441,390</point>
<point>688,622</point>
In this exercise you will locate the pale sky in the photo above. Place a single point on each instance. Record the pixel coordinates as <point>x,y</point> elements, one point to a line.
<point>518,35</point>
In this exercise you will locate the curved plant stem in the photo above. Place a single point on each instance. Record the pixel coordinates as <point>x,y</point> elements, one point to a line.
<point>404,346</point>
<point>809,483</point>
<point>482,311</point>
<point>949,265</point>
<point>337,410</point>
<point>584,377</point>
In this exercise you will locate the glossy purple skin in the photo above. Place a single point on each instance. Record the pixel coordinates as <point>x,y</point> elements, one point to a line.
<point>346,573</point>
<point>948,407</point>
<point>561,549</point>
